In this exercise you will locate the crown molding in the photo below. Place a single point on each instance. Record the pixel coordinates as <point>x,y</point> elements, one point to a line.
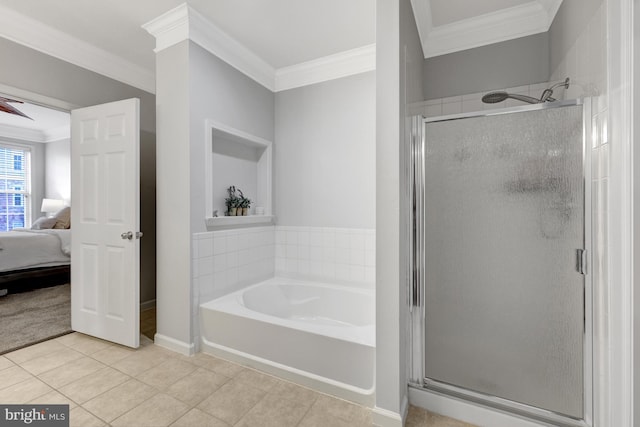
<point>57,134</point>
<point>330,67</point>
<point>34,34</point>
<point>424,20</point>
<point>530,18</point>
<point>34,135</point>
<point>186,23</point>
<point>22,134</point>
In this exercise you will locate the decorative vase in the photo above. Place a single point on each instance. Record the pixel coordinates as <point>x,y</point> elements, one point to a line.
<point>233,211</point>
<point>245,211</point>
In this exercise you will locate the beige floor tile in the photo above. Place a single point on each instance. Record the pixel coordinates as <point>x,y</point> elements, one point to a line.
<point>83,343</point>
<point>33,351</point>
<point>93,385</point>
<point>113,354</point>
<point>231,401</point>
<point>416,417</point>
<point>141,360</point>
<point>335,411</point>
<point>119,400</point>
<point>71,371</point>
<point>51,361</point>
<point>160,410</point>
<point>274,411</point>
<point>228,369</point>
<point>13,375</point>
<point>437,420</point>
<point>5,363</point>
<point>145,341</point>
<point>53,398</point>
<point>290,391</point>
<point>197,418</point>
<point>256,379</point>
<point>322,419</point>
<point>24,391</point>
<point>79,417</point>
<point>195,387</point>
<point>167,373</point>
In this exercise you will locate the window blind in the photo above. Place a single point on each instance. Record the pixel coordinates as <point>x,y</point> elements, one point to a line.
<point>15,187</point>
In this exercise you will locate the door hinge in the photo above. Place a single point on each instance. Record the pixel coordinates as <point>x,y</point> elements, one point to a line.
<point>581,261</point>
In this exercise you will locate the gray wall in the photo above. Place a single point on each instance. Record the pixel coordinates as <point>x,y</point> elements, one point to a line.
<point>325,167</point>
<point>511,63</point>
<point>58,169</point>
<point>221,93</point>
<point>173,205</point>
<point>399,65</point>
<point>570,21</point>
<point>27,69</point>
<point>193,85</point>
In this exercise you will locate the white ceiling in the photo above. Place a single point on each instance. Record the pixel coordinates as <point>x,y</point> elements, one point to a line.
<point>449,11</point>
<point>447,26</point>
<point>282,32</point>
<point>107,36</point>
<point>47,124</point>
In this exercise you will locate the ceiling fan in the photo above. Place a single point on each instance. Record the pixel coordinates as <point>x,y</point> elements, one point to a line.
<point>4,106</point>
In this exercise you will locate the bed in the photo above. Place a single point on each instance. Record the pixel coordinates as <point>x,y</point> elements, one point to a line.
<point>31,258</point>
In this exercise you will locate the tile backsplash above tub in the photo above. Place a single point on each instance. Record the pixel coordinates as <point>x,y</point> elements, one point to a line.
<point>327,254</point>
<point>227,260</point>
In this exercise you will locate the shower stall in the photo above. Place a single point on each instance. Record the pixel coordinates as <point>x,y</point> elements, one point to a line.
<point>500,290</point>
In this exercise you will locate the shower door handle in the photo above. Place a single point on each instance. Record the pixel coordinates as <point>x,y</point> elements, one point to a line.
<point>581,261</point>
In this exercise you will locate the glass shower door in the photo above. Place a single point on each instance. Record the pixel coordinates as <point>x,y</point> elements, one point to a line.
<point>504,227</point>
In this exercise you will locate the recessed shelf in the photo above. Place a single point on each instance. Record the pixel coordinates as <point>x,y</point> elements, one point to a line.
<point>238,221</point>
<point>236,158</point>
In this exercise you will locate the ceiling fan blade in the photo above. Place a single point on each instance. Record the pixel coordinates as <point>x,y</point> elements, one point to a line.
<point>4,106</point>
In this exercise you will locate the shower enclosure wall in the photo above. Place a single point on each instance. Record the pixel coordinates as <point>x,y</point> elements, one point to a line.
<point>501,291</point>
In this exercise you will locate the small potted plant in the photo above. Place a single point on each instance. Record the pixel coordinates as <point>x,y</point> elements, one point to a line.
<point>244,203</point>
<point>232,201</point>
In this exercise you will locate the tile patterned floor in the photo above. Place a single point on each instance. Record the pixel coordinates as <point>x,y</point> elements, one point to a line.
<point>148,322</point>
<point>110,385</point>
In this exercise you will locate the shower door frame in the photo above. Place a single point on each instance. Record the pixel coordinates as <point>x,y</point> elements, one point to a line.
<point>415,267</point>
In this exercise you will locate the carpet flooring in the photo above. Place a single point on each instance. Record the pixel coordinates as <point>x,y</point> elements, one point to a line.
<point>30,317</point>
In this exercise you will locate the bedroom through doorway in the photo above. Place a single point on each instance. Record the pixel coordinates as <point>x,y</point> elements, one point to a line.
<point>35,223</point>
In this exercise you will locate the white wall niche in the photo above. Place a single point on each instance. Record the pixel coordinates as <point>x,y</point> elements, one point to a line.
<point>234,157</point>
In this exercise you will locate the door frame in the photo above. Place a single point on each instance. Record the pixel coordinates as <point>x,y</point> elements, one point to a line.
<point>44,101</point>
<point>417,381</point>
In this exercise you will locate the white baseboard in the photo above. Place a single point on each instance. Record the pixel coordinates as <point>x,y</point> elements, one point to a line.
<point>385,418</point>
<point>174,345</point>
<point>404,408</point>
<point>147,305</point>
<point>466,411</point>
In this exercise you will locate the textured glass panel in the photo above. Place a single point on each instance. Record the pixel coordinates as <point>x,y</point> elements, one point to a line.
<point>504,218</point>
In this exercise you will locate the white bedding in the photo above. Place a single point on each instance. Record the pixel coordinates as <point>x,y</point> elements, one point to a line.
<point>24,248</point>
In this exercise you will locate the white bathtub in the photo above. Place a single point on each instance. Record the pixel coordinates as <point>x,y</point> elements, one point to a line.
<point>319,335</point>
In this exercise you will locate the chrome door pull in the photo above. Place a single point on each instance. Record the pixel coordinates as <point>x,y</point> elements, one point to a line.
<point>127,236</point>
<point>581,261</point>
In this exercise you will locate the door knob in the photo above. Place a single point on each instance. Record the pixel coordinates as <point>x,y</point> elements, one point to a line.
<point>127,236</point>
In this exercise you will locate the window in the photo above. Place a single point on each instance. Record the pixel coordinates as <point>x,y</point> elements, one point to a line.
<point>15,187</point>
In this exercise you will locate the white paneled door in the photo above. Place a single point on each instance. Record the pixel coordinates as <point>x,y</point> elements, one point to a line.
<point>105,215</point>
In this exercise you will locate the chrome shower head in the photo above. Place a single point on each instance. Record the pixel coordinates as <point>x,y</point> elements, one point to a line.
<point>494,97</point>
